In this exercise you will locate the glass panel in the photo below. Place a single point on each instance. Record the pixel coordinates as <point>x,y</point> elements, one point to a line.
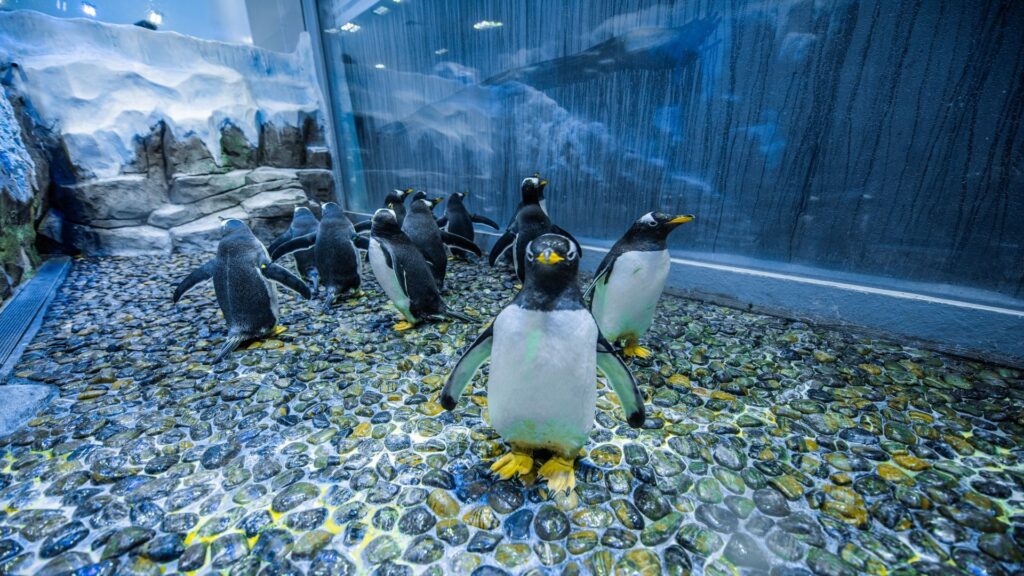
<point>224,20</point>
<point>876,141</point>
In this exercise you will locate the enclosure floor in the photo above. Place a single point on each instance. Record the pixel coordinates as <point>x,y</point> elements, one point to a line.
<point>770,446</point>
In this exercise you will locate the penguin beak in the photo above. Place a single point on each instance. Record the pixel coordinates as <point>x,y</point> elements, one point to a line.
<point>543,182</point>
<point>436,201</point>
<point>549,257</point>
<point>681,219</point>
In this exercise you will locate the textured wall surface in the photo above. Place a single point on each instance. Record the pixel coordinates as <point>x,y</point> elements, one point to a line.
<point>873,138</point>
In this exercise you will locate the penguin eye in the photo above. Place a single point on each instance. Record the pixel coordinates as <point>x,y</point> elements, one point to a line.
<point>652,223</point>
<point>571,254</point>
<point>530,256</point>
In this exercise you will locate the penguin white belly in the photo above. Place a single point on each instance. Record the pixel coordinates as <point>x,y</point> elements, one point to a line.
<point>387,278</point>
<point>542,391</point>
<point>624,305</point>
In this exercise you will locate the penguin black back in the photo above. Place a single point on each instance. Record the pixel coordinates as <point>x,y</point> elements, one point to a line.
<point>421,228</point>
<point>336,256</point>
<point>412,271</point>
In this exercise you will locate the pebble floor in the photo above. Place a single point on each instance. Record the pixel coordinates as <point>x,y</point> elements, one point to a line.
<point>771,447</point>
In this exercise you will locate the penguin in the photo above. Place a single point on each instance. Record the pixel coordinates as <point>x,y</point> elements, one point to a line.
<point>421,227</point>
<point>334,253</point>
<point>545,349</point>
<point>630,279</point>
<point>395,200</point>
<point>458,220</point>
<point>240,274</point>
<point>403,273</point>
<point>304,222</point>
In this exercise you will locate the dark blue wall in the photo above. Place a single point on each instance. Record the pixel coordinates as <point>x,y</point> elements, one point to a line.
<point>877,138</point>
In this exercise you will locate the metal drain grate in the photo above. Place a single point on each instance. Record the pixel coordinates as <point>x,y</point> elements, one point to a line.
<point>21,316</point>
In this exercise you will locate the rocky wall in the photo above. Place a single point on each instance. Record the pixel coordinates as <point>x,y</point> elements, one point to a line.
<point>144,141</point>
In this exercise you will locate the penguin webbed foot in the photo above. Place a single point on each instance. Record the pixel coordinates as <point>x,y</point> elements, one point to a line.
<point>403,326</point>
<point>560,474</point>
<point>635,350</point>
<point>515,463</point>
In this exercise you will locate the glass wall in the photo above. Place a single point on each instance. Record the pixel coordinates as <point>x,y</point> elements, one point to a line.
<point>877,141</point>
<point>224,20</point>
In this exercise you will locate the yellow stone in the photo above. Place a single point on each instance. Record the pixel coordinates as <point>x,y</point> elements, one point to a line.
<point>430,408</point>
<point>911,463</point>
<point>870,369</point>
<point>920,416</point>
<point>894,474</point>
<point>679,380</point>
<point>957,443</point>
<point>90,394</point>
<point>362,430</point>
<point>841,478</point>
<point>719,395</point>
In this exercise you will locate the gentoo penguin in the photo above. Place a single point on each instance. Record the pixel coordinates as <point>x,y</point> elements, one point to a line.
<point>403,273</point>
<point>334,253</point>
<point>545,349</point>
<point>531,192</point>
<point>421,227</point>
<point>459,221</point>
<point>240,272</point>
<point>630,279</point>
<point>395,200</point>
<point>304,222</point>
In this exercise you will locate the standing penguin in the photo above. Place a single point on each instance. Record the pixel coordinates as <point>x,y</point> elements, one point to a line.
<point>304,222</point>
<point>334,253</point>
<point>395,200</point>
<point>531,222</point>
<point>545,348</point>
<point>240,274</point>
<point>403,273</point>
<point>459,221</point>
<point>630,280</point>
<point>421,227</point>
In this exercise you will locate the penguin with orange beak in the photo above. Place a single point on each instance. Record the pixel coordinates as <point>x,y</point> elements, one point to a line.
<point>630,279</point>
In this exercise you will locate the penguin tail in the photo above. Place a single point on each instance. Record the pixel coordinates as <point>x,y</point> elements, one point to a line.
<point>460,316</point>
<point>229,346</point>
<point>329,296</point>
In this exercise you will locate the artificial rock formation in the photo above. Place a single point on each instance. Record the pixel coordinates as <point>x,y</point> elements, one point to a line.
<point>143,141</point>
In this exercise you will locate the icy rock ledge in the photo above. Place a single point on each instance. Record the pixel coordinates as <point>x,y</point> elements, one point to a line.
<point>160,135</point>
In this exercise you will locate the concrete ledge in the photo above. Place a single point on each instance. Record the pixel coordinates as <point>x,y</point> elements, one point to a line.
<point>979,331</point>
<point>21,402</point>
<point>22,315</point>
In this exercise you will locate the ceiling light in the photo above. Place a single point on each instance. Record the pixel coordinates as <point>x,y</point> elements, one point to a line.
<point>89,9</point>
<point>486,25</point>
<point>350,27</point>
<point>379,66</point>
<point>155,18</point>
<point>441,51</point>
<point>381,10</point>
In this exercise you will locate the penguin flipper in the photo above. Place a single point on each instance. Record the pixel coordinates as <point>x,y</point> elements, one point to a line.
<point>230,344</point>
<point>456,241</point>
<point>361,242</point>
<point>621,381</point>
<point>603,273</point>
<point>503,244</point>
<point>459,315</point>
<point>485,221</point>
<point>362,226</point>
<point>300,243</point>
<point>563,232</point>
<point>289,280</point>
<point>442,221</point>
<point>474,356</point>
<point>200,274</point>
<point>286,236</point>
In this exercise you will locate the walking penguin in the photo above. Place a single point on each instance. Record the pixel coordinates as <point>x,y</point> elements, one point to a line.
<point>421,227</point>
<point>241,274</point>
<point>630,280</point>
<point>334,253</point>
<point>545,349</point>
<point>457,219</point>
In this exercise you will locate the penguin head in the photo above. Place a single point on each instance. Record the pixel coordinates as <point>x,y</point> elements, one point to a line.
<point>396,197</point>
<point>456,198</point>
<point>385,223</point>
<point>331,209</point>
<point>303,213</point>
<point>657,225</point>
<point>533,189</point>
<point>233,226</point>
<point>552,261</point>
